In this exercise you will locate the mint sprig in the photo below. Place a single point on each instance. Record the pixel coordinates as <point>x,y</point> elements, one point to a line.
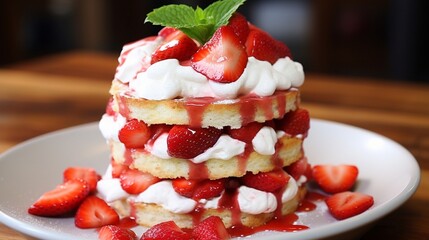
<point>199,24</point>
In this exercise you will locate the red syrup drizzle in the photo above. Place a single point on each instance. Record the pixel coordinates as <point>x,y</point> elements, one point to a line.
<point>198,170</point>
<point>196,108</point>
<point>123,109</point>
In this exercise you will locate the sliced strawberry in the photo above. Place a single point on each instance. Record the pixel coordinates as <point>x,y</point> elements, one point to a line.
<point>134,134</point>
<point>335,178</point>
<point>186,142</point>
<point>176,45</point>
<point>223,58</point>
<point>113,232</point>
<point>239,24</point>
<point>65,198</point>
<point>184,186</point>
<point>165,31</point>
<point>118,169</point>
<point>159,129</point>
<point>86,174</point>
<point>348,204</point>
<point>246,133</point>
<point>296,122</point>
<point>94,212</point>
<point>134,182</point>
<point>208,189</point>
<point>266,181</point>
<point>165,231</point>
<point>299,168</point>
<point>210,228</point>
<point>262,46</point>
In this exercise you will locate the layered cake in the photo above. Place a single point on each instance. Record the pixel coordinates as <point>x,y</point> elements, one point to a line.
<point>205,124</point>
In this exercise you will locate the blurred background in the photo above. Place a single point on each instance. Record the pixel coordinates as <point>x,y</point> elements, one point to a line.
<point>385,39</point>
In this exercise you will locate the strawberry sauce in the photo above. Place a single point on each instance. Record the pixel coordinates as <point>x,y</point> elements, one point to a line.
<point>195,108</point>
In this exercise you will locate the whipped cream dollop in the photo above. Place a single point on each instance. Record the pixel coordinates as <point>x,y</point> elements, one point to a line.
<point>254,201</point>
<point>168,79</point>
<point>111,125</point>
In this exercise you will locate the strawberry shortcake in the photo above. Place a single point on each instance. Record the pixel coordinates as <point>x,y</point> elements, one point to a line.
<point>205,119</point>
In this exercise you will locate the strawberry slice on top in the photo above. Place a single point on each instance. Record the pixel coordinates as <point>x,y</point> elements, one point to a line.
<point>262,46</point>
<point>221,59</point>
<point>176,45</point>
<point>240,26</point>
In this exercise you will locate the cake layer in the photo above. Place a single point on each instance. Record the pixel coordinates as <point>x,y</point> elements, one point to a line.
<point>204,112</point>
<point>151,214</point>
<point>288,150</point>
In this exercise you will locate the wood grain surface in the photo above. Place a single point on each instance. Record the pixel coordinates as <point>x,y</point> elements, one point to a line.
<point>60,91</point>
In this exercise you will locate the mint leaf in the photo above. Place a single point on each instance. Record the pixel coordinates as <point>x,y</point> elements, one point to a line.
<point>199,24</point>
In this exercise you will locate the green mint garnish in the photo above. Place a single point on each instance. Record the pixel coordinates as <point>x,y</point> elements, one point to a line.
<point>199,24</point>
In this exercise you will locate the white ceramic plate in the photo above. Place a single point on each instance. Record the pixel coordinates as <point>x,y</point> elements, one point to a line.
<point>388,172</point>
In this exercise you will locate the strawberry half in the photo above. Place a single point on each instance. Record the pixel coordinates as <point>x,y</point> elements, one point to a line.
<point>94,212</point>
<point>262,46</point>
<point>348,204</point>
<point>113,232</point>
<point>118,169</point>
<point>239,24</point>
<point>208,189</point>
<point>296,122</point>
<point>210,228</point>
<point>134,182</point>
<point>184,186</point>
<point>335,178</point>
<point>165,231</point>
<point>134,134</point>
<point>221,59</point>
<point>64,199</point>
<point>165,31</point>
<point>246,133</point>
<point>186,142</point>
<point>86,174</point>
<point>266,181</point>
<point>299,168</point>
<point>176,45</point>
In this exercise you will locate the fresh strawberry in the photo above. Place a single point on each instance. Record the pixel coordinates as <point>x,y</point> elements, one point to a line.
<point>94,212</point>
<point>186,142</point>
<point>134,134</point>
<point>158,129</point>
<point>184,186</point>
<point>239,24</point>
<point>335,178</point>
<point>296,122</point>
<point>299,168</point>
<point>246,133</point>
<point>176,45</point>
<point>86,174</point>
<point>118,169</point>
<point>113,232</point>
<point>65,198</point>
<point>262,46</point>
<point>134,182</point>
<point>208,189</point>
<point>221,59</point>
<point>210,228</point>
<point>266,181</point>
<point>165,231</point>
<point>164,32</point>
<point>348,204</point>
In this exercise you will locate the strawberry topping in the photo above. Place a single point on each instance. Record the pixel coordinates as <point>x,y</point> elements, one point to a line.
<point>134,182</point>
<point>134,134</point>
<point>262,46</point>
<point>223,58</point>
<point>266,181</point>
<point>239,24</point>
<point>335,178</point>
<point>113,232</point>
<point>348,204</point>
<point>94,212</point>
<point>299,168</point>
<point>210,228</point>
<point>186,142</point>
<point>176,45</point>
<point>88,175</point>
<point>165,231</point>
<point>296,122</point>
<point>246,133</point>
<point>65,198</point>
<point>205,189</point>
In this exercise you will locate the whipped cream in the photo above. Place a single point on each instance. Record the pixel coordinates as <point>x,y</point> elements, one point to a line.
<point>254,201</point>
<point>110,188</point>
<point>265,141</point>
<point>111,125</point>
<point>162,193</point>
<point>168,79</point>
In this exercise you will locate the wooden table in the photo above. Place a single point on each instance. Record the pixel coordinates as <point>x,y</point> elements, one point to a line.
<point>55,92</point>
